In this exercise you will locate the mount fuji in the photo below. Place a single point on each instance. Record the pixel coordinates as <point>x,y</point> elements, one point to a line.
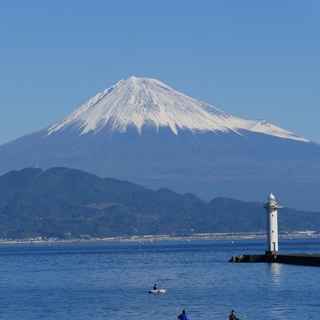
<point>144,131</point>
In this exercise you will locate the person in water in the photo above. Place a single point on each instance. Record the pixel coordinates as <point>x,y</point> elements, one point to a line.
<point>232,316</point>
<point>183,316</point>
<point>155,287</point>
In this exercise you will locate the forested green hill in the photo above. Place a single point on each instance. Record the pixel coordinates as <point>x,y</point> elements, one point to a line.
<point>67,203</point>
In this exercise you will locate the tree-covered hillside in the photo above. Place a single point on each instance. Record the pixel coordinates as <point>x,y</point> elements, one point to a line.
<point>67,203</point>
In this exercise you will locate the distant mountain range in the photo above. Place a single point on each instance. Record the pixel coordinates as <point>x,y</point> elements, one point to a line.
<point>67,203</point>
<point>143,131</point>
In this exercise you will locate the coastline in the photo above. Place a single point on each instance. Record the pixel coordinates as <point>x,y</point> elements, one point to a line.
<point>163,238</point>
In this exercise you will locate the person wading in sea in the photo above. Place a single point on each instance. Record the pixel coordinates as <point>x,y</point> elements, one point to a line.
<point>183,316</point>
<point>232,316</point>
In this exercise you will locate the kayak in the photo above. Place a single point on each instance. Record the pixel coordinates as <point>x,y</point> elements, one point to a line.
<point>157,291</point>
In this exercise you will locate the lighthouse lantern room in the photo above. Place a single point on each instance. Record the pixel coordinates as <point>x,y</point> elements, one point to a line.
<point>272,225</point>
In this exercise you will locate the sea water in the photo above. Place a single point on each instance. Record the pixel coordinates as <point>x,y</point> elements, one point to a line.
<point>112,281</point>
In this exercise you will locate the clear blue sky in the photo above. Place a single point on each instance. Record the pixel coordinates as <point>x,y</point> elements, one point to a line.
<point>253,59</point>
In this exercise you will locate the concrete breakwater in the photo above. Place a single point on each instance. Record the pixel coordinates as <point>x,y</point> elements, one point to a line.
<point>296,259</point>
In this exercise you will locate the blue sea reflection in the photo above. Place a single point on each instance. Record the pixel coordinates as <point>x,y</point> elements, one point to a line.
<point>112,280</point>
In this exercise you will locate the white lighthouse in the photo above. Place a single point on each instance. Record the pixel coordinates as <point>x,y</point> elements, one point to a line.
<point>272,225</point>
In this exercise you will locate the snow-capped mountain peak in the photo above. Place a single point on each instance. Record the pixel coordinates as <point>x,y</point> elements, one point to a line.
<point>141,101</point>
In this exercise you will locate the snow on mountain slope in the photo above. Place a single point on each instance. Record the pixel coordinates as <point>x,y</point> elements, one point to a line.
<point>141,101</point>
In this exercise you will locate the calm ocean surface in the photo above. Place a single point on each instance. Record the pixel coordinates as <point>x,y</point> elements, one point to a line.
<point>111,281</point>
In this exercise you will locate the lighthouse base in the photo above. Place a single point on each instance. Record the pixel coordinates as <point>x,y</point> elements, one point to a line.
<point>297,259</point>
<point>273,252</point>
